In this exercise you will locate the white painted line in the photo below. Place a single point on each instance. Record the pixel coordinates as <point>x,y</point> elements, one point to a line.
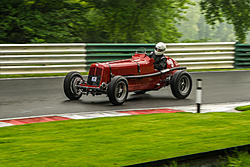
<point>220,107</point>
<point>35,116</point>
<point>3,124</point>
<point>217,107</point>
<point>84,115</point>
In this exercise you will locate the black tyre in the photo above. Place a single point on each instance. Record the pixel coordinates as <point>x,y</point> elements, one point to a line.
<point>118,90</point>
<point>181,84</point>
<point>71,81</point>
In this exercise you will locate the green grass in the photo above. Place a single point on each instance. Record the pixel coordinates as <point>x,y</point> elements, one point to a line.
<point>243,108</point>
<point>243,158</point>
<point>121,141</point>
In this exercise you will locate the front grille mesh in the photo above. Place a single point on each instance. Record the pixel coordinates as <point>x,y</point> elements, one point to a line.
<point>94,77</point>
<point>98,71</point>
<point>91,71</point>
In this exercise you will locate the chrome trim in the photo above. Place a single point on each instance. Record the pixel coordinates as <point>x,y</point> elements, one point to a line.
<point>155,74</point>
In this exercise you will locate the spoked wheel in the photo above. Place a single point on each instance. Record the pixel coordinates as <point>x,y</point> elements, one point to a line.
<point>181,84</point>
<point>118,90</point>
<point>71,82</point>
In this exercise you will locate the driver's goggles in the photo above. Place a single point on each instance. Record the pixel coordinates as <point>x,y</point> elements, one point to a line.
<point>159,50</point>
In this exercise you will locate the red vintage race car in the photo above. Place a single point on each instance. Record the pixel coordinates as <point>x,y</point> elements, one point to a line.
<point>117,78</point>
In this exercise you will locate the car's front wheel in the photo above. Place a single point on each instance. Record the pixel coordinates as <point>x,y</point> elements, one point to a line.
<point>118,90</point>
<point>70,86</point>
<point>181,84</point>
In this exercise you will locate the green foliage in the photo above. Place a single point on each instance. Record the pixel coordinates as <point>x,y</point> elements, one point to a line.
<point>235,12</point>
<point>195,29</point>
<point>38,21</point>
<point>241,160</point>
<point>138,20</point>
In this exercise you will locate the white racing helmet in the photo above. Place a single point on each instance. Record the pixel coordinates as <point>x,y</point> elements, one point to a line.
<point>160,48</point>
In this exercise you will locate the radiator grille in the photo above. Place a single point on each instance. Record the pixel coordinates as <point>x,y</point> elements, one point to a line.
<point>94,77</point>
<point>91,71</point>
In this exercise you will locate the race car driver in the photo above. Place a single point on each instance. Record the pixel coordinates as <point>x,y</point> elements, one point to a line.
<point>160,60</point>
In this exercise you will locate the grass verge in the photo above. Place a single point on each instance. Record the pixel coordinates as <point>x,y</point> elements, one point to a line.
<point>243,108</point>
<point>120,141</point>
<point>243,158</point>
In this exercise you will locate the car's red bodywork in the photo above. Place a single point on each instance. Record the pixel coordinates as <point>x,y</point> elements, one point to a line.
<point>117,78</point>
<point>139,64</point>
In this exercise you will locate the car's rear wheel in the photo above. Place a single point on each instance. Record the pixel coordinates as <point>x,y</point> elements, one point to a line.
<point>118,90</point>
<point>181,84</point>
<point>70,86</point>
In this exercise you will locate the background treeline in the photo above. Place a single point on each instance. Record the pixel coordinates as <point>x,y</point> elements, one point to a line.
<point>145,21</point>
<point>194,28</point>
<point>36,21</point>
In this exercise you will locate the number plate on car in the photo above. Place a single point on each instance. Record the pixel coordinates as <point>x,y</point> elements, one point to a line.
<point>93,79</point>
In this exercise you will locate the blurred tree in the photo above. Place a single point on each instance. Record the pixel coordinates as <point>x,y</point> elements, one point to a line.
<point>36,21</point>
<point>194,28</point>
<point>235,12</point>
<point>137,20</point>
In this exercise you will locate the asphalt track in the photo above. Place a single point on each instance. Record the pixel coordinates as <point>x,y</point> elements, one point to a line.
<point>34,97</point>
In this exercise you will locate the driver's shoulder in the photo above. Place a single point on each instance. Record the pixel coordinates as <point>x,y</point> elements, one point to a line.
<point>151,53</point>
<point>163,57</point>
